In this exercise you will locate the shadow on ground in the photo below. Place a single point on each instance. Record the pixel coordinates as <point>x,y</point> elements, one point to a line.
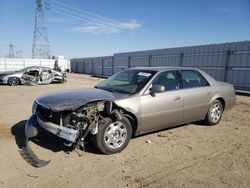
<point>50,142</point>
<point>18,130</point>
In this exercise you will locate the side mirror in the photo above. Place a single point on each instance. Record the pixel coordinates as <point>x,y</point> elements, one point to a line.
<point>157,89</point>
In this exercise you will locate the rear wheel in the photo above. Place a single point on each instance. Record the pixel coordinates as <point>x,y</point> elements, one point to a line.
<point>113,136</point>
<point>214,113</point>
<point>13,81</point>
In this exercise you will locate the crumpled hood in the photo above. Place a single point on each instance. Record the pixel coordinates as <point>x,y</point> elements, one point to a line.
<point>74,99</point>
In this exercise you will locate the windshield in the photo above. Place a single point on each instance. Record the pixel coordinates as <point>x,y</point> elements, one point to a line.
<point>22,70</point>
<point>128,81</point>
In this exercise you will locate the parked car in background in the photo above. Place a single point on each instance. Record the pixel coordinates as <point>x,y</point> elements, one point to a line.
<point>32,76</point>
<point>132,102</point>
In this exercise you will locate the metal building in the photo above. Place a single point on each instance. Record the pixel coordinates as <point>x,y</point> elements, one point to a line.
<point>229,62</point>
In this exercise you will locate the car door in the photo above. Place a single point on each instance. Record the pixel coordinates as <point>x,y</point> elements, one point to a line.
<point>165,109</point>
<point>46,76</point>
<point>197,94</point>
<point>32,72</point>
<point>31,75</point>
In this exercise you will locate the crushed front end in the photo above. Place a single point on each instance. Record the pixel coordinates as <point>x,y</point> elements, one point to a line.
<point>70,127</point>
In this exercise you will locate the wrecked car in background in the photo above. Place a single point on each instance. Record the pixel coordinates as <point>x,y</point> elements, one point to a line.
<point>132,102</point>
<point>32,76</point>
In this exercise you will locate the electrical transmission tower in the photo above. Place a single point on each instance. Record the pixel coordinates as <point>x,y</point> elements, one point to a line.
<point>11,51</point>
<point>19,54</point>
<point>40,47</point>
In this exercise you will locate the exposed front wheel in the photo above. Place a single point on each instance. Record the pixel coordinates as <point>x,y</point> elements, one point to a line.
<point>214,114</point>
<point>13,81</point>
<point>113,136</point>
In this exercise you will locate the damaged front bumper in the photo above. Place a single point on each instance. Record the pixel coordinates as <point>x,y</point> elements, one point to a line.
<point>32,125</point>
<point>32,129</point>
<point>60,131</point>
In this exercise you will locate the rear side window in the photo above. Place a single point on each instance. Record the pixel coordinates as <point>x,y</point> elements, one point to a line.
<point>191,79</point>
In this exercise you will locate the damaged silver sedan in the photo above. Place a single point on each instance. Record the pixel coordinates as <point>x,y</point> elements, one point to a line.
<point>132,102</point>
<point>32,76</point>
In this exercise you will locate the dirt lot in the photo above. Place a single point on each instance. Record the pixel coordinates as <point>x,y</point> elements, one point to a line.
<point>187,156</point>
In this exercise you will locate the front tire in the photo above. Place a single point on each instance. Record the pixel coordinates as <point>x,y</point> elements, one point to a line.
<point>113,136</point>
<point>214,113</point>
<point>13,81</point>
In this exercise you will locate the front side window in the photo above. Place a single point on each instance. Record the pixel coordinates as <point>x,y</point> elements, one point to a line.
<point>32,72</point>
<point>167,79</point>
<point>192,79</point>
<point>127,81</point>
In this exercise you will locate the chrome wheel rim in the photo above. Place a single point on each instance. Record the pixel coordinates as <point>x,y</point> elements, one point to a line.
<point>14,81</point>
<point>115,135</point>
<point>216,112</point>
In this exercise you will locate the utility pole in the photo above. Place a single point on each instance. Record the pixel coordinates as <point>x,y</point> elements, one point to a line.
<point>40,47</point>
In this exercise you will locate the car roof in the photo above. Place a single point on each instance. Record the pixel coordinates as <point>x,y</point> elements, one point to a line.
<point>157,69</point>
<point>38,67</point>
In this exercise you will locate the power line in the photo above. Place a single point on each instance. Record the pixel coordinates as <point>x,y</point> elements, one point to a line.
<point>83,17</point>
<point>66,14</point>
<point>86,12</point>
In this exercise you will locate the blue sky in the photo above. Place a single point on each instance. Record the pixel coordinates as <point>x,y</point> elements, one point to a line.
<point>128,25</point>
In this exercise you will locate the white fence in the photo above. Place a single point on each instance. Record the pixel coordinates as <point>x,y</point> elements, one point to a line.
<point>7,64</point>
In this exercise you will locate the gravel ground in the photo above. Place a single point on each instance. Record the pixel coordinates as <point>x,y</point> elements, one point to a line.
<point>187,156</point>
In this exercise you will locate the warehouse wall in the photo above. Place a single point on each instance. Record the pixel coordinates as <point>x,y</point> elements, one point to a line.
<point>97,66</point>
<point>228,62</point>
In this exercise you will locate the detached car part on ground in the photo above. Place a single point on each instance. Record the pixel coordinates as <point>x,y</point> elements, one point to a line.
<point>32,76</point>
<point>132,102</point>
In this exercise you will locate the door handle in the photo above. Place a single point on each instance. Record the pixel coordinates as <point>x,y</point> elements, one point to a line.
<point>177,98</point>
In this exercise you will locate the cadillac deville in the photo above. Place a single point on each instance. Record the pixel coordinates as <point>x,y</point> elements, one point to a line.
<point>129,103</point>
